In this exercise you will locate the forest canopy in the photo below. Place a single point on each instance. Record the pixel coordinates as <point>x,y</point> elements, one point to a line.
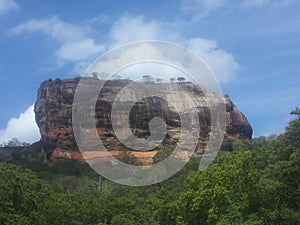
<point>257,183</point>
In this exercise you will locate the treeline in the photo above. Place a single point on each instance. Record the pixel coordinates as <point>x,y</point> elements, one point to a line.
<point>257,183</point>
<point>14,142</point>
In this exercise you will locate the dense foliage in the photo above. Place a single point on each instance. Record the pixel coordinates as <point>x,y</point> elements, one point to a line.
<point>257,183</point>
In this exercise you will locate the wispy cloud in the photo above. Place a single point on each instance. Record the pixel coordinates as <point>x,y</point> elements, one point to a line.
<point>197,9</point>
<point>129,28</point>
<point>74,41</point>
<point>99,19</point>
<point>7,6</point>
<point>23,127</point>
<point>76,45</point>
<point>267,3</point>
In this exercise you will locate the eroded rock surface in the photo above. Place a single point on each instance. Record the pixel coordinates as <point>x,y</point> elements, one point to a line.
<point>53,111</point>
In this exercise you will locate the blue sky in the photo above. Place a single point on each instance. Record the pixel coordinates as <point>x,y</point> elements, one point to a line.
<point>253,46</point>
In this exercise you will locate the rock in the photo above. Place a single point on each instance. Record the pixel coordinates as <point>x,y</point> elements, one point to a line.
<point>53,110</point>
<point>237,123</point>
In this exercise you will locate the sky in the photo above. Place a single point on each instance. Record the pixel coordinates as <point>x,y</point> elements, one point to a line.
<point>252,46</point>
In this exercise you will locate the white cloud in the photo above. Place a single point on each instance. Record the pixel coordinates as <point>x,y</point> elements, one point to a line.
<point>221,62</point>
<point>53,27</point>
<point>74,43</point>
<point>135,28</point>
<point>139,53</point>
<point>80,67</point>
<point>75,51</point>
<point>8,5</point>
<point>76,46</point>
<point>129,29</point>
<point>24,128</point>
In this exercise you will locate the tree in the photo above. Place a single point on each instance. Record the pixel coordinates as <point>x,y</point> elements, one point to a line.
<point>122,219</point>
<point>180,79</point>
<point>296,112</point>
<point>95,74</point>
<point>101,75</point>
<point>25,144</point>
<point>75,208</point>
<point>222,194</point>
<point>20,192</point>
<point>126,157</point>
<point>147,78</point>
<point>280,180</point>
<point>256,186</point>
<point>57,81</point>
<point>116,76</point>
<point>14,142</point>
<point>163,153</point>
<point>158,80</point>
<point>241,144</point>
<point>172,80</point>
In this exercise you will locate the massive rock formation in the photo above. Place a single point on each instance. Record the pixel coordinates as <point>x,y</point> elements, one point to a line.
<point>53,110</point>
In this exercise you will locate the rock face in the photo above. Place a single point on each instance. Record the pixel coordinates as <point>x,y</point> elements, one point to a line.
<point>53,110</point>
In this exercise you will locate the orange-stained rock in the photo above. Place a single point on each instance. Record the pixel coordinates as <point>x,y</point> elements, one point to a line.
<point>53,110</point>
<point>76,156</point>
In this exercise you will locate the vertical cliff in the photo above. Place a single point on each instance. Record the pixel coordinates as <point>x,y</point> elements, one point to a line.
<point>53,111</point>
